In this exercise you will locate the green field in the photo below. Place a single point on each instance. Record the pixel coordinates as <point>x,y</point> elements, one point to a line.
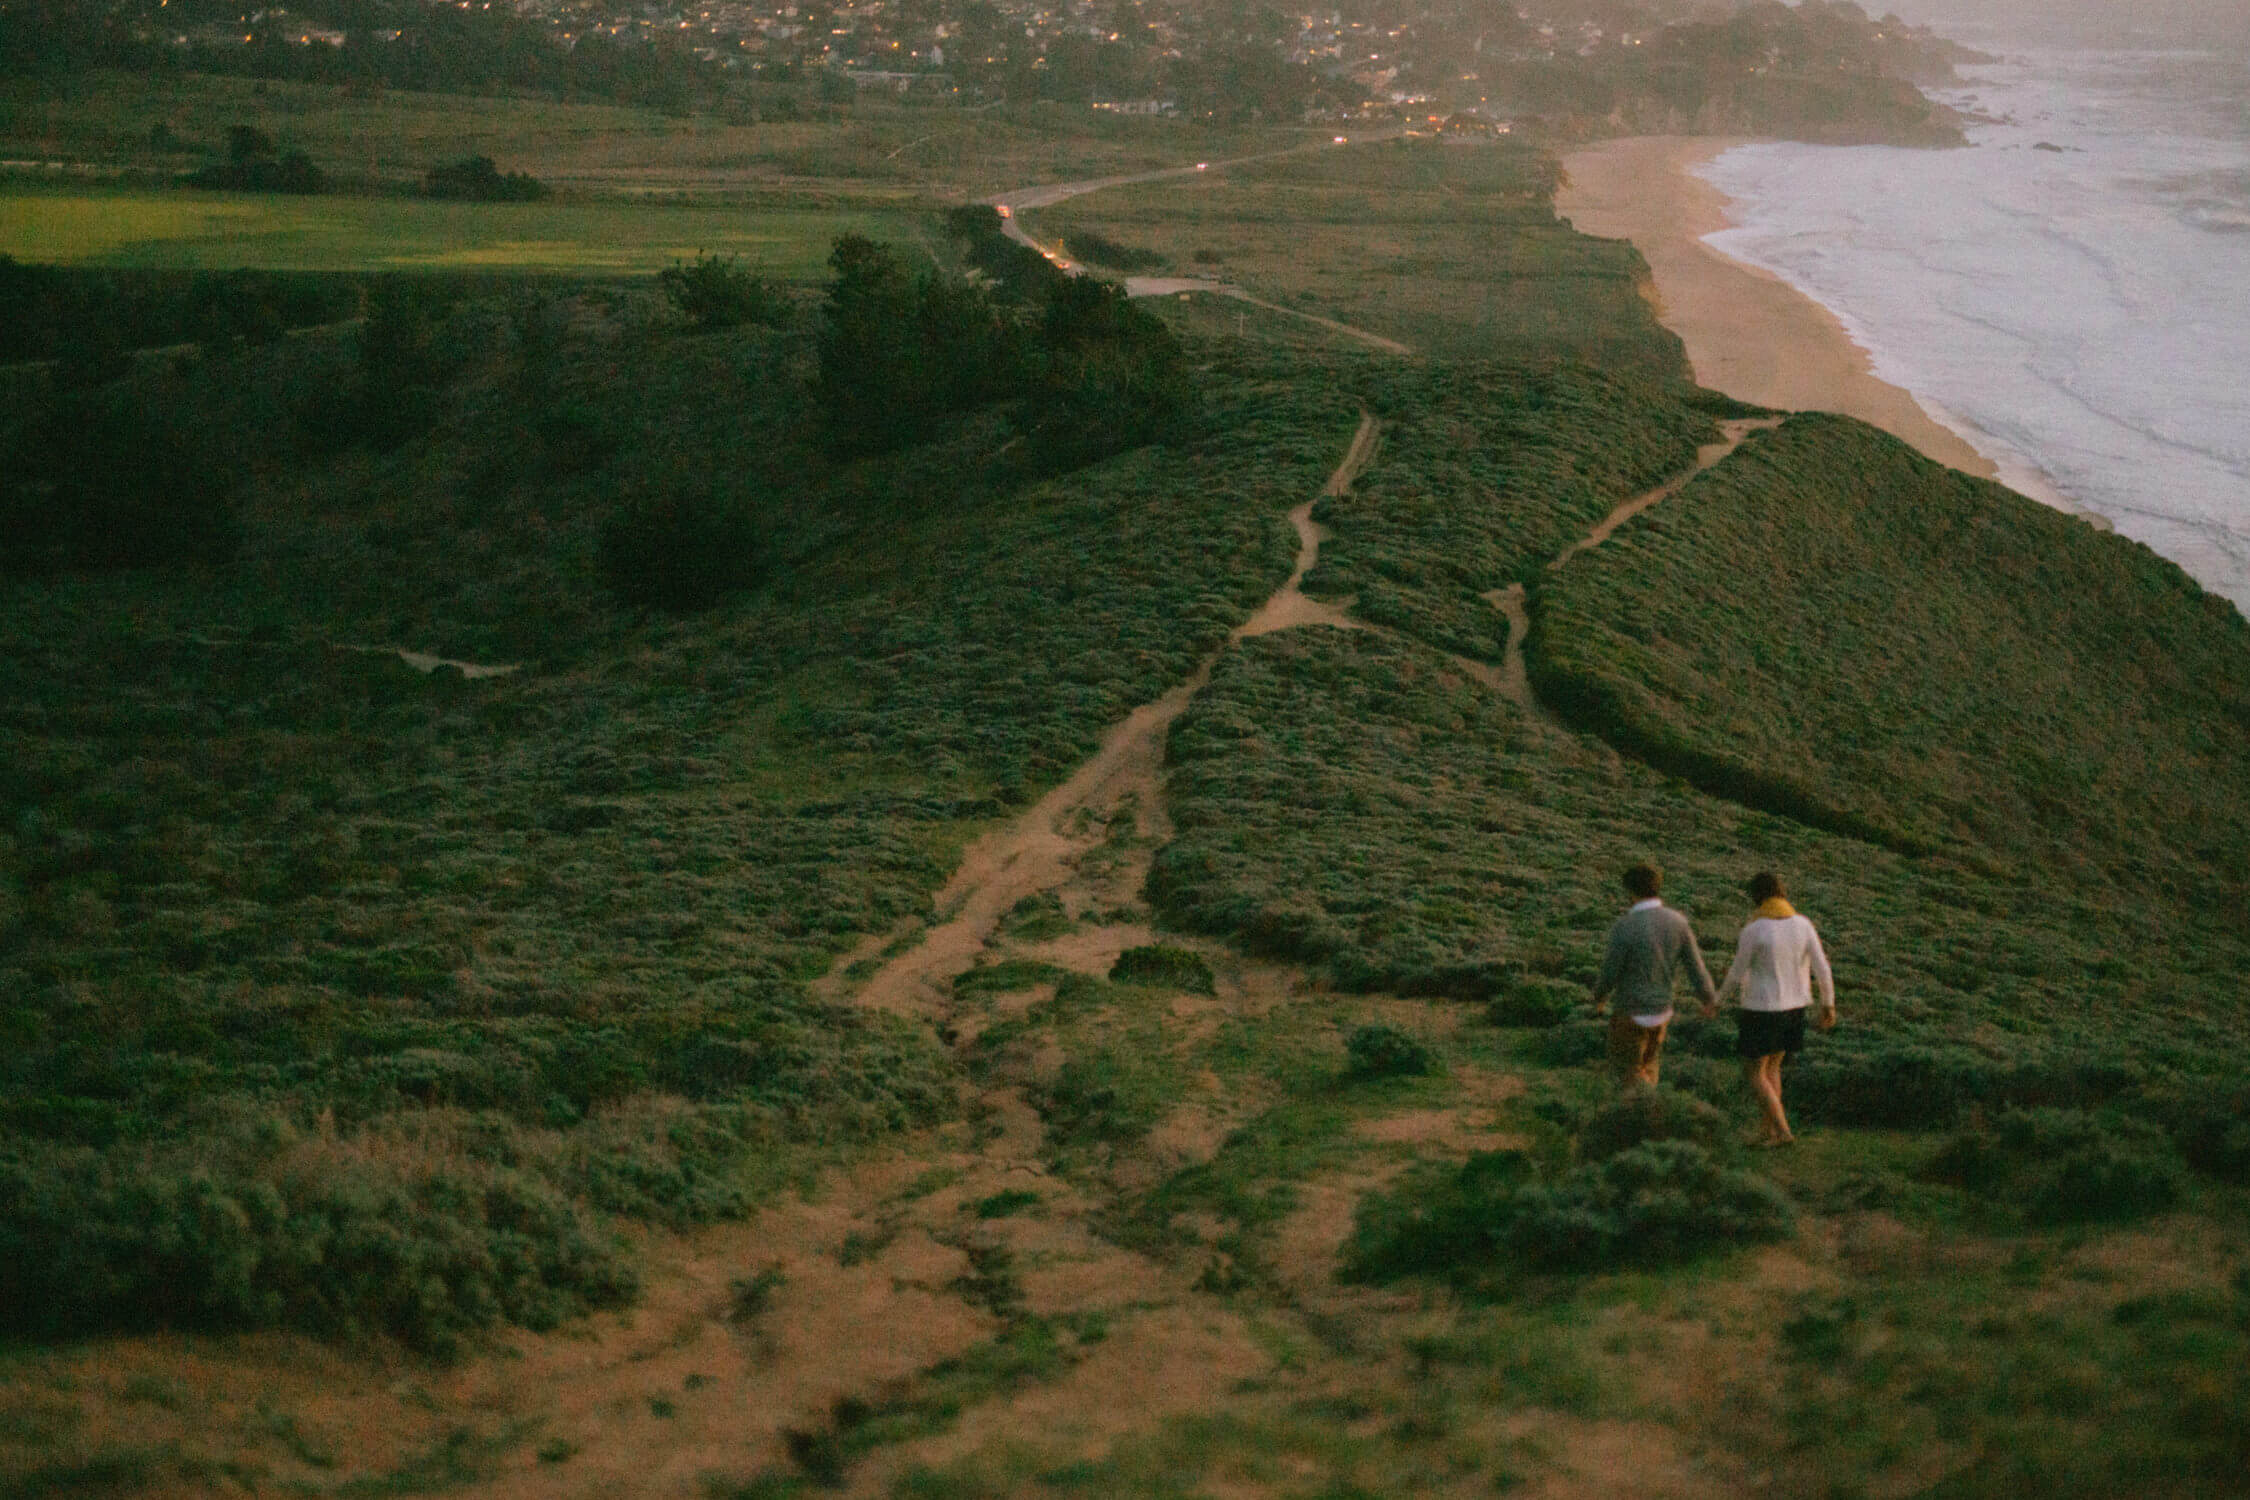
<point>224,231</point>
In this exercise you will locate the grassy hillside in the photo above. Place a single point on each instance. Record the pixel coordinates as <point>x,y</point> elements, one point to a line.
<point>1485,473</point>
<point>1453,249</point>
<point>350,998</point>
<point>1362,804</point>
<point>1255,1142</point>
<point>1832,625</point>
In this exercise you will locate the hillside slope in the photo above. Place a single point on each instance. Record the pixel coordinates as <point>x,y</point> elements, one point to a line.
<point>1833,626</point>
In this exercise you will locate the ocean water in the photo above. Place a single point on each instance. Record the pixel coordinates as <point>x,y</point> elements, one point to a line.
<point>2071,292</point>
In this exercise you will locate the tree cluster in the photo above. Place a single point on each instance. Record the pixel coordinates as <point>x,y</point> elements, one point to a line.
<point>478,179</point>
<point>254,165</point>
<point>903,348</point>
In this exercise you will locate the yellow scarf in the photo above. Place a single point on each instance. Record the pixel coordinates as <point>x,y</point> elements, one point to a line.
<point>1776,908</point>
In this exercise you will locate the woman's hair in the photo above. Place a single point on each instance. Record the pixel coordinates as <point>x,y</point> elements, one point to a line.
<point>1644,880</point>
<point>1765,885</point>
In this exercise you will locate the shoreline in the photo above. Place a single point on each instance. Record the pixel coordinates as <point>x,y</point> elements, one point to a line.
<point>1748,333</point>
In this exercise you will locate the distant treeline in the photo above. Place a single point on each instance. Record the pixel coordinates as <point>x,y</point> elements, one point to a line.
<point>56,312</point>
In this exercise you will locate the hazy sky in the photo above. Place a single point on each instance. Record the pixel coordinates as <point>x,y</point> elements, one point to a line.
<point>2136,23</point>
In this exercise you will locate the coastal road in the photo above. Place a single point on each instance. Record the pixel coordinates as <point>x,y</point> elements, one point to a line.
<point>1013,204</point>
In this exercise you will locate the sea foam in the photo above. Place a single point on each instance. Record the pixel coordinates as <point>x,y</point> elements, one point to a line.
<point>2071,293</point>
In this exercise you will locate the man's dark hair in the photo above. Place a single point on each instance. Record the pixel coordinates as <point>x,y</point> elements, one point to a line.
<point>1644,880</point>
<point>1765,885</point>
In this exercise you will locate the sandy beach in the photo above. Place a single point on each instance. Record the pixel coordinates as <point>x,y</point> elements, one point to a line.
<point>1748,333</point>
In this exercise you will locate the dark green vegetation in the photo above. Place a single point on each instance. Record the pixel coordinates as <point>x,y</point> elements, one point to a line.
<point>718,291</point>
<point>90,321</point>
<point>351,998</point>
<point>1835,627</point>
<point>1178,968</point>
<point>478,179</point>
<point>1650,1204</point>
<point>253,165</point>
<point>904,349</point>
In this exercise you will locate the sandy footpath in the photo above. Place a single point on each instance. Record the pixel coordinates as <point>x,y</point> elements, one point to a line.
<point>1748,332</point>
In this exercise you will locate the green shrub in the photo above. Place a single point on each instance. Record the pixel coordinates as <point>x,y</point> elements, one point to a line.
<point>1906,1085</point>
<point>477,179</point>
<point>1654,1203</point>
<point>713,291</point>
<point>289,172</point>
<point>91,1244</point>
<point>1570,1044</point>
<point>1166,966</point>
<point>1379,1051</point>
<point>102,480</point>
<point>1643,1114</point>
<point>2062,1166</point>
<point>1532,1001</point>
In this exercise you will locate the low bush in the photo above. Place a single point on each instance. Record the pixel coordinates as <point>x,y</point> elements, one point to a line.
<point>1164,965</point>
<point>2060,1166</point>
<point>1644,1114</point>
<point>1378,1051</point>
<point>715,291</point>
<point>1654,1203</point>
<point>1006,977</point>
<point>102,482</point>
<point>1907,1085</point>
<point>477,179</point>
<point>1531,1001</point>
<point>425,1255</point>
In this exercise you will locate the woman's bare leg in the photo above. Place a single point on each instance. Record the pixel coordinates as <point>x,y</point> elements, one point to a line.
<point>1763,1074</point>
<point>1778,1117</point>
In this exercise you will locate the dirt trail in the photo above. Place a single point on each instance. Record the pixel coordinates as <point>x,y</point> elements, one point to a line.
<point>1037,851</point>
<point>421,661</point>
<point>1731,438</point>
<point>1513,678</point>
<point>1290,606</point>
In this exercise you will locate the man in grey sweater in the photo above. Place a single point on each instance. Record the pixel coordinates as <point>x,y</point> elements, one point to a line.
<point>1647,947</point>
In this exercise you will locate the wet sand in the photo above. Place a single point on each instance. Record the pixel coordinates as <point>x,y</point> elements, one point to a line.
<point>1748,332</point>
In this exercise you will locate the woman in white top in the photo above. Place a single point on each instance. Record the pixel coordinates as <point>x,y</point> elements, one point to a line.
<point>1776,964</point>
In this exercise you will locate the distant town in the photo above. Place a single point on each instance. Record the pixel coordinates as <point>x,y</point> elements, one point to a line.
<point>1467,68</point>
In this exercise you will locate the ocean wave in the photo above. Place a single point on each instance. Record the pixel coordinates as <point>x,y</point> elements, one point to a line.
<point>2079,317</point>
<point>2220,218</point>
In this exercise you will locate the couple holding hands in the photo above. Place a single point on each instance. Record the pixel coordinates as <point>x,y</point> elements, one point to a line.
<point>1776,964</point>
